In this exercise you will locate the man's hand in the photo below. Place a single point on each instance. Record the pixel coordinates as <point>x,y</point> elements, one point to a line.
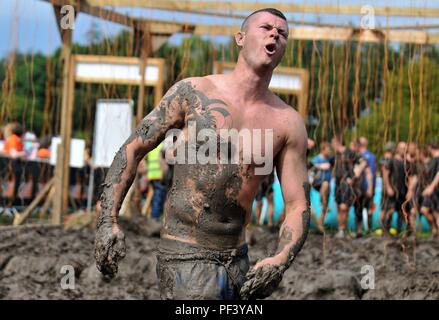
<point>109,248</point>
<point>428,191</point>
<point>263,279</point>
<point>369,193</point>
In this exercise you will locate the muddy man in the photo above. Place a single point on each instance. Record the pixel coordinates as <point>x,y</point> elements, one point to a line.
<point>202,252</point>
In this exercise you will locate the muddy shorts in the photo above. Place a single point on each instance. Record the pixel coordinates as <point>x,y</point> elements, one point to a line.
<point>344,194</point>
<point>392,203</point>
<point>265,190</point>
<point>189,272</point>
<point>431,202</point>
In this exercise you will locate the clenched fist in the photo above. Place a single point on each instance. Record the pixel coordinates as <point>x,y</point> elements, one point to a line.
<point>109,248</point>
<point>261,282</point>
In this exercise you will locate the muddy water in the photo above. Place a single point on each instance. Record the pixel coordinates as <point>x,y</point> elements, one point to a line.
<point>31,260</point>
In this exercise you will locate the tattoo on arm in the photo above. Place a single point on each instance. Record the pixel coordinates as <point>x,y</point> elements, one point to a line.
<point>151,131</point>
<point>286,235</point>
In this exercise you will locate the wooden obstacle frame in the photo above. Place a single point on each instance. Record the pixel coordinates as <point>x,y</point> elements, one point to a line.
<point>159,31</point>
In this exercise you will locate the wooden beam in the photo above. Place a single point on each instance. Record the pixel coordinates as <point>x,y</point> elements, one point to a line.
<point>60,203</point>
<point>284,7</point>
<point>333,34</point>
<point>20,218</point>
<point>156,27</point>
<point>167,28</point>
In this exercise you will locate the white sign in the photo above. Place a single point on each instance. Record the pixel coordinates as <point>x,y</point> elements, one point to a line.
<point>113,126</point>
<point>112,71</point>
<point>280,80</point>
<point>77,148</point>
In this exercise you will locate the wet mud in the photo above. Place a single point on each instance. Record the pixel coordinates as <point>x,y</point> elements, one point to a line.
<point>31,260</point>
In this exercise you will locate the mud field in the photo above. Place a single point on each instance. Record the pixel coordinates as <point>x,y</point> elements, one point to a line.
<point>31,260</point>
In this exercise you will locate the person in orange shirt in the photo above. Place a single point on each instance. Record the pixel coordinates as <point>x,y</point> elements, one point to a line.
<point>13,145</point>
<point>44,149</point>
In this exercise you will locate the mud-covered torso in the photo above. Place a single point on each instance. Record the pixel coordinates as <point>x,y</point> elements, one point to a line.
<point>212,191</point>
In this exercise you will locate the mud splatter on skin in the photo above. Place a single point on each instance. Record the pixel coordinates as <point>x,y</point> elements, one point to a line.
<point>262,282</point>
<point>110,241</point>
<point>206,209</point>
<point>217,223</point>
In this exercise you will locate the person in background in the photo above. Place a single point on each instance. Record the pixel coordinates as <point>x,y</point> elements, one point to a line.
<point>265,190</point>
<point>31,145</point>
<point>44,149</point>
<point>430,193</point>
<point>13,146</point>
<point>362,185</point>
<point>394,186</point>
<point>321,178</point>
<point>2,140</point>
<point>371,161</point>
<point>346,175</point>
<point>155,173</point>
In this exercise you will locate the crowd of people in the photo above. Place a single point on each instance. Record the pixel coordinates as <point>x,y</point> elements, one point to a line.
<point>410,175</point>
<point>17,144</point>
<point>409,172</point>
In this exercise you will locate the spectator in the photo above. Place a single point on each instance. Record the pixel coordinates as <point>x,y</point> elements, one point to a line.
<point>321,178</point>
<point>14,146</point>
<point>371,161</point>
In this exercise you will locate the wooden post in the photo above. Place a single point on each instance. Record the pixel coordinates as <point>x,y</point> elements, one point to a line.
<point>60,201</point>
<point>145,47</point>
<point>302,100</point>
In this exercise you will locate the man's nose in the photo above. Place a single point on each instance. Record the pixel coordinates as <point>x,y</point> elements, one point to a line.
<point>274,33</point>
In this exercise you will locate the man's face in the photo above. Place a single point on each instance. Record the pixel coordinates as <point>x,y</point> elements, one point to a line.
<point>264,40</point>
<point>400,149</point>
<point>326,151</point>
<point>412,149</point>
<point>353,146</point>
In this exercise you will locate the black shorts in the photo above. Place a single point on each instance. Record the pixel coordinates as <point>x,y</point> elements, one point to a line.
<point>318,184</point>
<point>431,202</point>
<point>362,201</point>
<point>265,189</point>
<point>391,203</point>
<point>367,202</point>
<point>190,272</point>
<point>344,194</point>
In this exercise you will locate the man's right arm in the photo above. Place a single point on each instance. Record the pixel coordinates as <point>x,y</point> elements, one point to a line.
<point>170,113</point>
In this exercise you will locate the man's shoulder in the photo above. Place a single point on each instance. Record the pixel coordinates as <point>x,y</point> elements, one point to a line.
<point>285,111</point>
<point>202,83</point>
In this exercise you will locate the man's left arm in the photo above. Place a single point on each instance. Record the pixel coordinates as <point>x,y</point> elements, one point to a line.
<point>266,275</point>
<point>428,191</point>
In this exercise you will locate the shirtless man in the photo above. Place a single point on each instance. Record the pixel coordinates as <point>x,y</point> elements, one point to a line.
<point>202,251</point>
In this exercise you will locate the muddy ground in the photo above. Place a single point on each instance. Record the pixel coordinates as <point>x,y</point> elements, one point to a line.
<point>31,260</point>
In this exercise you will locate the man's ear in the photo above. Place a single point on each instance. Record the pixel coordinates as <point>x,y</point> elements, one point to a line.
<point>239,38</point>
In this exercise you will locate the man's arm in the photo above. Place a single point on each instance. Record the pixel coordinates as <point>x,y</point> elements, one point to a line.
<point>265,277</point>
<point>386,181</point>
<point>170,113</point>
<point>428,191</point>
<point>291,166</point>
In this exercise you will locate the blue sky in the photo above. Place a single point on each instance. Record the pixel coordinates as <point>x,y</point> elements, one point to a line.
<point>30,26</point>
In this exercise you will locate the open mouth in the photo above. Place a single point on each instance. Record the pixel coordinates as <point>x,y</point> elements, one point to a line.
<point>270,48</point>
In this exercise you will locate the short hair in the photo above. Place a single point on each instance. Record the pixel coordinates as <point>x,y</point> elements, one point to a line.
<point>17,129</point>
<point>433,144</point>
<point>273,11</point>
<point>324,144</point>
<point>363,141</point>
<point>389,147</point>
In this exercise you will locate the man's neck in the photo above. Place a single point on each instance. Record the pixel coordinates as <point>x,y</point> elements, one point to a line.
<point>251,85</point>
